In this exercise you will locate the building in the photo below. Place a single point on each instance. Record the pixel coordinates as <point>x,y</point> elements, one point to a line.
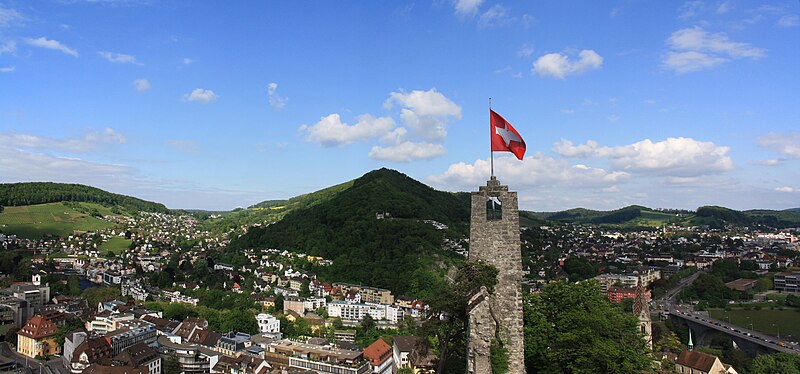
<point>355,312</point>
<point>317,358</point>
<point>368,294</point>
<point>140,355</point>
<point>36,337</point>
<point>407,352</point>
<point>268,323</point>
<point>494,239</point>
<point>787,281</point>
<point>617,294</point>
<point>34,294</point>
<point>243,364</point>
<point>231,344</point>
<point>380,355</point>
<point>132,334</point>
<point>71,341</point>
<point>742,284</point>
<point>193,359</point>
<point>641,311</point>
<point>693,362</point>
<point>89,352</point>
<point>627,280</point>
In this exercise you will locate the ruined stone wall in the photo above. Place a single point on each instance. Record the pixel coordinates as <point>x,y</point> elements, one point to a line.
<point>496,242</point>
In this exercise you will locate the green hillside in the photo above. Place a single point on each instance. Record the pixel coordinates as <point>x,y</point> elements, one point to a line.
<point>398,252</point>
<point>59,219</point>
<point>630,216</point>
<point>269,210</point>
<point>32,193</point>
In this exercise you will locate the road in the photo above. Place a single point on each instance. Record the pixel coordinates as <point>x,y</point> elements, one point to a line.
<point>53,366</point>
<point>667,303</point>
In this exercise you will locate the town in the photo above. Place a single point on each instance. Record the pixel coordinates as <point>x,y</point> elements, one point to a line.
<point>166,299</point>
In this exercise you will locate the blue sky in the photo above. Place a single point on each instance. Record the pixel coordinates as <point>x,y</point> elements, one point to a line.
<point>214,105</point>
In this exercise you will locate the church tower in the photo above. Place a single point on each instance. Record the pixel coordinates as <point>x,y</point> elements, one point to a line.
<point>495,239</point>
<point>642,311</point>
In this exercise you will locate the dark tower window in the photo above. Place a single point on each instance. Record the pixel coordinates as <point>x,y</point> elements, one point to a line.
<point>494,210</point>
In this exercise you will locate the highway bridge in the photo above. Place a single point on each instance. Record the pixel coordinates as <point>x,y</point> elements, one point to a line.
<point>704,327</point>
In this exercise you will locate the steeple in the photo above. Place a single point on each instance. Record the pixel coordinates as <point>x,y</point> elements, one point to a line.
<point>642,311</point>
<point>691,346</point>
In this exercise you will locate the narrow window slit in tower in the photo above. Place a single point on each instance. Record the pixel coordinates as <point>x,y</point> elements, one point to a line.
<point>494,209</point>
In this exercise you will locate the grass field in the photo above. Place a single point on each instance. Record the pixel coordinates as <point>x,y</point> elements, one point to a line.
<point>36,221</point>
<point>116,245</point>
<point>764,320</point>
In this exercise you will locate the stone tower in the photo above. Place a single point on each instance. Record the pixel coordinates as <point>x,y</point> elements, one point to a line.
<point>495,239</point>
<point>642,312</point>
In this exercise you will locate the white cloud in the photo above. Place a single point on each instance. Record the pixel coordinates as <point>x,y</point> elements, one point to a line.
<point>615,12</point>
<point>187,61</point>
<point>407,151</point>
<point>141,85</point>
<point>21,165</point>
<point>677,157</point>
<point>276,101</point>
<point>86,143</point>
<point>8,69</point>
<point>525,51</point>
<point>201,95</point>
<point>724,7</point>
<point>693,49</point>
<point>10,17</point>
<point>119,58</point>
<point>690,9</point>
<point>789,20</point>
<point>467,7</point>
<point>613,118</point>
<point>568,111</point>
<point>567,149</point>
<point>8,46</point>
<point>426,113</point>
<point>560,66</point>
<point>771,162</point>
<point>697,39</point>
<point>330,131</point>
<point>497,15</point>
<point>787,144</point>
<point>536,170</point>
<point>685,62</point>
<point>787,189</point>
<point>51,44</point>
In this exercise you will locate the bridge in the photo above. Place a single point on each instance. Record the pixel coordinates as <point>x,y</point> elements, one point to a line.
<point>704,327</point>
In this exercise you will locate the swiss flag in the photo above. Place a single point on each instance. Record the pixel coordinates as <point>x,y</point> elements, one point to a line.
<point>504,137</point>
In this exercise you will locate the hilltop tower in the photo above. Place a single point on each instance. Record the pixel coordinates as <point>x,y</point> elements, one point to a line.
<point>642,311</point>
<point>495,239</point>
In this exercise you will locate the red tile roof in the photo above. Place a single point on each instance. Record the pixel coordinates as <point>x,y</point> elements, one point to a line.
<point>38,328</point>
<point>378,352</point>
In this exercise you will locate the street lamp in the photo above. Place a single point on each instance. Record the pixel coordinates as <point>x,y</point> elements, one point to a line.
<point>779,330</point>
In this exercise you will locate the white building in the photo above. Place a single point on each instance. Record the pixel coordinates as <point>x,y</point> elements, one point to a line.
<point>268,323</point>
<point>357,311</point>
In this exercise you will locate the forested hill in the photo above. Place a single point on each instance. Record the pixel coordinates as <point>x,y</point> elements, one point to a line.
<point>30,193</point>
<point>397,252</point>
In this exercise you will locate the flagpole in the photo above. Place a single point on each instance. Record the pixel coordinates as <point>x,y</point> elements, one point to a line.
<point>491,154</point>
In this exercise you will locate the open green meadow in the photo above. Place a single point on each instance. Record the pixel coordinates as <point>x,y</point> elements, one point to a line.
<point>765,320</point>
<point>116,245</point>
<point>36,221</point>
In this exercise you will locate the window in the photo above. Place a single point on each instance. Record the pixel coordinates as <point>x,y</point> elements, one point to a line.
<point>494,209</point>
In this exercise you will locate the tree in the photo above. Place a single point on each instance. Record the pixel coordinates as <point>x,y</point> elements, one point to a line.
<point>64,330</point>
<point>777,363</point>
<point>579,269</point>
<point>573,328</point>
<point>240,320</point>
<point>171,365</point>
<point>449,319</point>
<point>279,302</point>
<point>73,285</point>
<point>669,343</point>
<point>95,295</point>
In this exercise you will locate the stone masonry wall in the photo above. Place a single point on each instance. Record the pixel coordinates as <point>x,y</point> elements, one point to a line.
<point>497,242</point>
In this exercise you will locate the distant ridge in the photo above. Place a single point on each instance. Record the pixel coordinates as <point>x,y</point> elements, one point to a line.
<point>30,193</point>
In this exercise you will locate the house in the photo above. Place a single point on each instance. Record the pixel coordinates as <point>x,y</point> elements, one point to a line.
<point>693,362</point>
<point>268,323</point>
<point>241,365</point>
<point>408,351</point>
<point>37,337</point>
<point>89,352</point>
<point>379,355</point>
